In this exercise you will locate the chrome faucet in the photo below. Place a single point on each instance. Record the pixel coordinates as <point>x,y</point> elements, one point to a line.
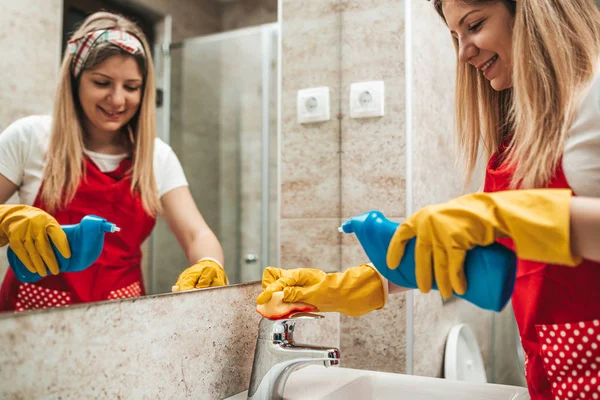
<point>277,356</point>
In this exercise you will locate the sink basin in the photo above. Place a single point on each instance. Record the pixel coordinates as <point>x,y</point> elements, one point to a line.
<point>319,383</point>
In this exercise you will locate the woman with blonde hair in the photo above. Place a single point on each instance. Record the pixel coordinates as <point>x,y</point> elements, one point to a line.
<point>528,89</point>
<point>98,154</point>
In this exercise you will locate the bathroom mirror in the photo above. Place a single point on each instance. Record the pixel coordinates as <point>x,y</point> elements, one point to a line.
<point>217,69</point>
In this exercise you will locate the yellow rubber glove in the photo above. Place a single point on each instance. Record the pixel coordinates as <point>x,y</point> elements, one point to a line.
<point>205,273</point>
<point>26,229</point>
<point>537,220</point>
<point>353,292</point>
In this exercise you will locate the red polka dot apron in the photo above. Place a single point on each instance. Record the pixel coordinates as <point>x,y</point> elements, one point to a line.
<point>557,309</point>
<point>117,272</point>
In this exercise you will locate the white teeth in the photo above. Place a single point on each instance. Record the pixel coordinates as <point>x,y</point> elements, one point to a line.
<point>487,64</point>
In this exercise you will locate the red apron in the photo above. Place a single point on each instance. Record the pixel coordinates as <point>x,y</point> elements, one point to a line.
<point>557,309</point>
<point>117,272</point>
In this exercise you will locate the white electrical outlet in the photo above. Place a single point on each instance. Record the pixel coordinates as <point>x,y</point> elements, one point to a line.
<point>367,99</point>
<point>312,105</point>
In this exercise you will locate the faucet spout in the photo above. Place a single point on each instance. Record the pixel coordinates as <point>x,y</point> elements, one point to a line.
<point>277,356</point>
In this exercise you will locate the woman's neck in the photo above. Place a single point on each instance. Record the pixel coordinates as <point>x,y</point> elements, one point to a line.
<point>104,142</point>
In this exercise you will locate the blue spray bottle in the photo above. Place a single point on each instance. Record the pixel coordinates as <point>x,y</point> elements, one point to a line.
<point>86,240</point>
<point>490,270</point>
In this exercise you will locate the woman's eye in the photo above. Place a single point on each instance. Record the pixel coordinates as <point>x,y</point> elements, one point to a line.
<point>101,84</point>
<point>132,89</point>
<point>475,27</point>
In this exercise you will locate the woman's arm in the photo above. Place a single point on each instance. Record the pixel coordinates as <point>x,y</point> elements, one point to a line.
<point>7,189</point>
<point>584,231</point>
<point>585,227</point>
<point>193,234</point>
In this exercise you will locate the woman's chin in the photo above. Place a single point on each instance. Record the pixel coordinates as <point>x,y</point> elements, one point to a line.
<point>500,84</point>
<point>110,126</point>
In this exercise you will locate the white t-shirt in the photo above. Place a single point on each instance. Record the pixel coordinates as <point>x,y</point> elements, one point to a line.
<point>581,157</point>
<point>25,142</point>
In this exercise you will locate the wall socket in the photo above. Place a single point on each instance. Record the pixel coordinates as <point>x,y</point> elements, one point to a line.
<point>312,105</point>
<point>367,99</point>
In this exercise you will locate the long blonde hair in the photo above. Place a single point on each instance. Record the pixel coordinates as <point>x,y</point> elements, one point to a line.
<point>65,167</point>
<point>556,45</point>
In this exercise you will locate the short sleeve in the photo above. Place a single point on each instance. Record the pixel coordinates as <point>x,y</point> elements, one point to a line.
<point>13,150</point>
<point>581,158</point>
<point>167,168</point>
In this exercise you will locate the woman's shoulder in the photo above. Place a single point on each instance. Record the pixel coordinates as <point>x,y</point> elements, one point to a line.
<point>31,129</point>
<point>32,123</point>
<point>164,156</point>
<point>588,111</point>
<point>581,157</point>
<point>161,149</point>
<point>591,94</point>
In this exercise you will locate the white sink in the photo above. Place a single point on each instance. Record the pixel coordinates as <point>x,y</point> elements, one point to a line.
<point>319,383</point>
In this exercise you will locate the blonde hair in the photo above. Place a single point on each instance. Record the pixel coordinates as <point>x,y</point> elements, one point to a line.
<point>65,167</point>
<point>556,45</point>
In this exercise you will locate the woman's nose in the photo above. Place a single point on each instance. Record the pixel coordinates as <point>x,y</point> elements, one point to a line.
<point>466,51</point>
<point>117,97</point>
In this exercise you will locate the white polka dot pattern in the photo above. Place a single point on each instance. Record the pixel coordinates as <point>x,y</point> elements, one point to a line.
<point>133,290</point>
<point>33,297</point>
<point>572,359</point>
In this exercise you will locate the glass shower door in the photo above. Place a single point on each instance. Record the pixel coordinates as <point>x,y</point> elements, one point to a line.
<point>223,115</point>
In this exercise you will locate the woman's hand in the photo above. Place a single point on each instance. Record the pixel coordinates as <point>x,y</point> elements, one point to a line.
<point>28,231</point>
<point>203,274</point>
<point>354,292</point>
<point>536,220</point>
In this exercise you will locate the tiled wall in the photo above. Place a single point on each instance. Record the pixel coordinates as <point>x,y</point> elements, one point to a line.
<point>244,13</point>
<point>200,344</point>
<point>374,173</point>
<point>29,65</point>
<point>373,168</point>
<point>435,180</point>
<point>191,18</point>
<point>310,158</point>
<point>30,46</point>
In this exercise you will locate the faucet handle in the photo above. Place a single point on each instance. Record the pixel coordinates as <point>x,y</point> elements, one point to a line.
<point>302,315</point>
<point>283,329</point>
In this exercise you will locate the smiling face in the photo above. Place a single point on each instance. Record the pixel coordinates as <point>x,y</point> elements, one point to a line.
<point>110,94</point>
<point>484,35</point>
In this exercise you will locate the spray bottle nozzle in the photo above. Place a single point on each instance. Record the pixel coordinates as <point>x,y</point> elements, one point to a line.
<point>110,227</point>
<point>346,227</point>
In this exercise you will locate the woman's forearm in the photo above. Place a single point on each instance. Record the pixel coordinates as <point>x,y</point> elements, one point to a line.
<point>585,227</point>
<point>204,245</point>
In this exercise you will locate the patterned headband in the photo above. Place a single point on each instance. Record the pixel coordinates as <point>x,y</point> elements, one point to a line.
<point>80,47</point>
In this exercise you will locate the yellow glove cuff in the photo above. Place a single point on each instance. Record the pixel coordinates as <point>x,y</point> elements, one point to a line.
<point>384,284</point>
<point>216,262</point>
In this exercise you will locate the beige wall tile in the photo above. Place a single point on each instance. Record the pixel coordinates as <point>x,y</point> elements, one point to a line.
<point>30,59</point>
<point>245,13</point>
<point>507,369</point>
<point>310,243</point>
<point>30,43</point>
<point>433,320</point>
<point>373,161</point>
<point>190,18</point>
<point>436,177</point>
<point>435,180</point>
<point>310,169</point>
<point>376,341</point>
<point>373,169</point>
